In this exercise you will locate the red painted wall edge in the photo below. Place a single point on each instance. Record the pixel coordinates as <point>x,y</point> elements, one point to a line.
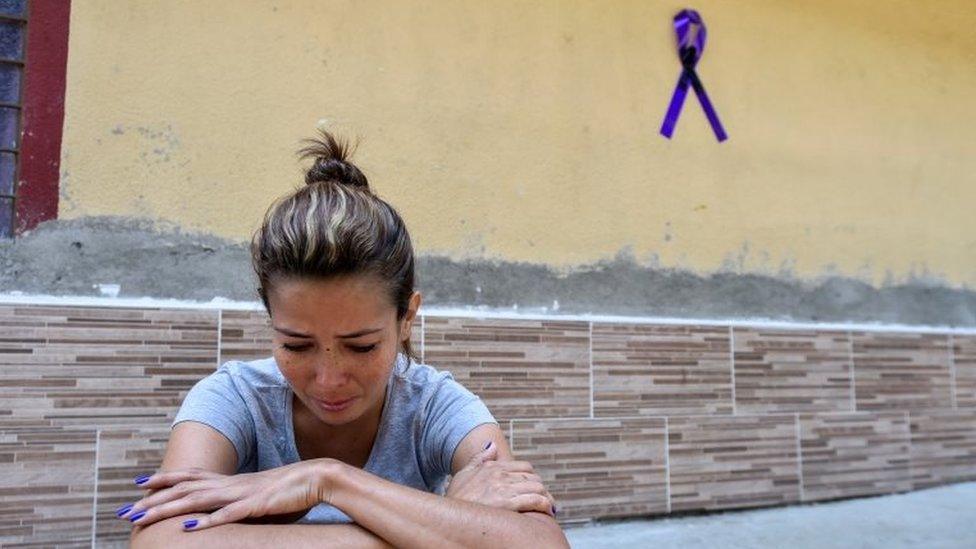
<point>46,60</point>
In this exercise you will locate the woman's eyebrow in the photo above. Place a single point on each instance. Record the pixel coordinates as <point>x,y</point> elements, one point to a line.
<point>359,333</point>
<point>286,331</point>
<point>343,336</point>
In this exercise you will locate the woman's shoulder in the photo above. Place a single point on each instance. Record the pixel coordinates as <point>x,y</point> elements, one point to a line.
<point>418,374</point>
<point>423,383</point>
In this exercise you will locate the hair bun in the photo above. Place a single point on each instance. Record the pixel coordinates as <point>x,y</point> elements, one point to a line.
<point>330,162</point>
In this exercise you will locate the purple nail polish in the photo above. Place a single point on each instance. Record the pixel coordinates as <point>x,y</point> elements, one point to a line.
<point>123,510</point>
<point>137,516</point>
<point>189,524</point>
<point>488,445</point>
<point>142,480</point>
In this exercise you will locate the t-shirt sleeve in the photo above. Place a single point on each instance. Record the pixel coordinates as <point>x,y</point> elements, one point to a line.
<point>451,413</point>
<point>216,401</point>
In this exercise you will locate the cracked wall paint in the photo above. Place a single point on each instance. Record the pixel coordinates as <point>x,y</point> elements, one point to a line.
<point>532,127</point>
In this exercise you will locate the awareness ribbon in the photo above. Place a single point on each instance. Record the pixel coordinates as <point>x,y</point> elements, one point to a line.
<point>690,32</point>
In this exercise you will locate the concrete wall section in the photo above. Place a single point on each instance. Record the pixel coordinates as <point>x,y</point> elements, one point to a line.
<point>74,257</point>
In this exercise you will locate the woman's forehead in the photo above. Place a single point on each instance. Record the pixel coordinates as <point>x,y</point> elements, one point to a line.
<point>348,303</point>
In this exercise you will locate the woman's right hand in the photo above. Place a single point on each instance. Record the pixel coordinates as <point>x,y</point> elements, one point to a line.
<point>511,485</point>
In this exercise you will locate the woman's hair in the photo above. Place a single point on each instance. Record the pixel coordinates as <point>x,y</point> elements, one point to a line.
<point>334,226</point>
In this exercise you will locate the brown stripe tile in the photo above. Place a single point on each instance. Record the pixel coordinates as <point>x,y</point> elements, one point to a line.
<point>123,455</point>
<point>733,461</point>
<point>964,363</point>
<point>792,371</point>
<point>597,468</point>
<point>48,486</point>
<point>943,448</point>
<point>901,371</point>
<point>854,454</point>
<point>105,366</point>
<point>654,370</point>
<point>542,371</point>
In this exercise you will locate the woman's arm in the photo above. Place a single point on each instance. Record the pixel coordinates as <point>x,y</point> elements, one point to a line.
<point>410,518</point>
<point>197,446</point>
<point>403,516</point>
<point>468,450</point>
<point>170,533</point>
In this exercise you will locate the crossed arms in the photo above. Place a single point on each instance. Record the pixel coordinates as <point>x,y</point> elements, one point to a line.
<point>493,501</point>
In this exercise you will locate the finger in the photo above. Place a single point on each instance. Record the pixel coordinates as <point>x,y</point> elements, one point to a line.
<point>160,497</point>
<point>523,476</point>
<point>166,479</point>
<point>193,503</point>
<point>529,487</point>
<point>552,501</point>
<point>535,487</point>
<point>235,512</point>
<point>516,466</point>
<point>532,502</point>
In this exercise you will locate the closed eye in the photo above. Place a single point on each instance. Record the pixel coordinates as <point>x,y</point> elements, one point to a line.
<point>360,349</point>
<point>295,348</point>
<point>302,348</point>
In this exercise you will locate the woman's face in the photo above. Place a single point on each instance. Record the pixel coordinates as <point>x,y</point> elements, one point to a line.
<point>336,342</point>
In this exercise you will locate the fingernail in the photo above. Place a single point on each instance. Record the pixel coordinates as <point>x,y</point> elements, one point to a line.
<point>188,524</point>
<point>137,516</point>
<point>488,445</point>
<point>554,510</point>
<point>142,479</point>
<point>123,510</point>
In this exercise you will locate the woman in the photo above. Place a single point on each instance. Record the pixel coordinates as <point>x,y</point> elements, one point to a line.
<point>341,429</point>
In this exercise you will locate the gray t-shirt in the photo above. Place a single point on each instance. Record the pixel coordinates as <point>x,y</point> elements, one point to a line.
<point>425,416</point>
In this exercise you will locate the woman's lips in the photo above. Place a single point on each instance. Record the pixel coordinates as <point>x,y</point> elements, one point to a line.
<point>335,406</point>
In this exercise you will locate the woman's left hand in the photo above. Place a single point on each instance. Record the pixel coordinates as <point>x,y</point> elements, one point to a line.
<point>232,498</point>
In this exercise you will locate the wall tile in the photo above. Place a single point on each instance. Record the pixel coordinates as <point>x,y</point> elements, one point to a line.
<point>792,370</point>
<point>653,370</point>
<point>943,447</point>
<point>96,367</point>
<point>76,382</point>
<point>964,363</point>
<point>733,461</point>
<point>123,455</point>
<point>854,454</point>
<point>47,480</point>
<point>520,368</point>
<point>901,371</point>
<point>597,468</point>
<point>244,335</point>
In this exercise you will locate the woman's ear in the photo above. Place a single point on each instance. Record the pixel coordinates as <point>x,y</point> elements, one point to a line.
<point>408,318</point>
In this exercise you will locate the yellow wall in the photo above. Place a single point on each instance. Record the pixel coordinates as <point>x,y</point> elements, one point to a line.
<point>527,131</point>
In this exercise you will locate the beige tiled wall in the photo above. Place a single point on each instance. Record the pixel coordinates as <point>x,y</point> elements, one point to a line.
<point>854,454</point>
<point>964,370</point>
<point>650,370</point>
<point>722,462</point>
<point>792,371</point>
<point>620,419</point>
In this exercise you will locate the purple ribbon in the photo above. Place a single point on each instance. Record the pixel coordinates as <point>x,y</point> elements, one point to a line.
<point>690,32</point>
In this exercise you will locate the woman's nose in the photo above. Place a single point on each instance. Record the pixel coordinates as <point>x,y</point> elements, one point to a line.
<point>329,373</point>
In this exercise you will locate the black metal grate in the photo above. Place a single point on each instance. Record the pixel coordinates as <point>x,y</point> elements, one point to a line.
<point>13,42</point>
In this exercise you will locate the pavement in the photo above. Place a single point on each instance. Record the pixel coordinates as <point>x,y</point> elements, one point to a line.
<point>936,518</point>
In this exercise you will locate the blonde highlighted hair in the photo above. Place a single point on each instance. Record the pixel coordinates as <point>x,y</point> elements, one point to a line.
<point>334,226</point>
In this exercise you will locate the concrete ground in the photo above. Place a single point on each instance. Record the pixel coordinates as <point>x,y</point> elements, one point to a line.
<point>937,518</point>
